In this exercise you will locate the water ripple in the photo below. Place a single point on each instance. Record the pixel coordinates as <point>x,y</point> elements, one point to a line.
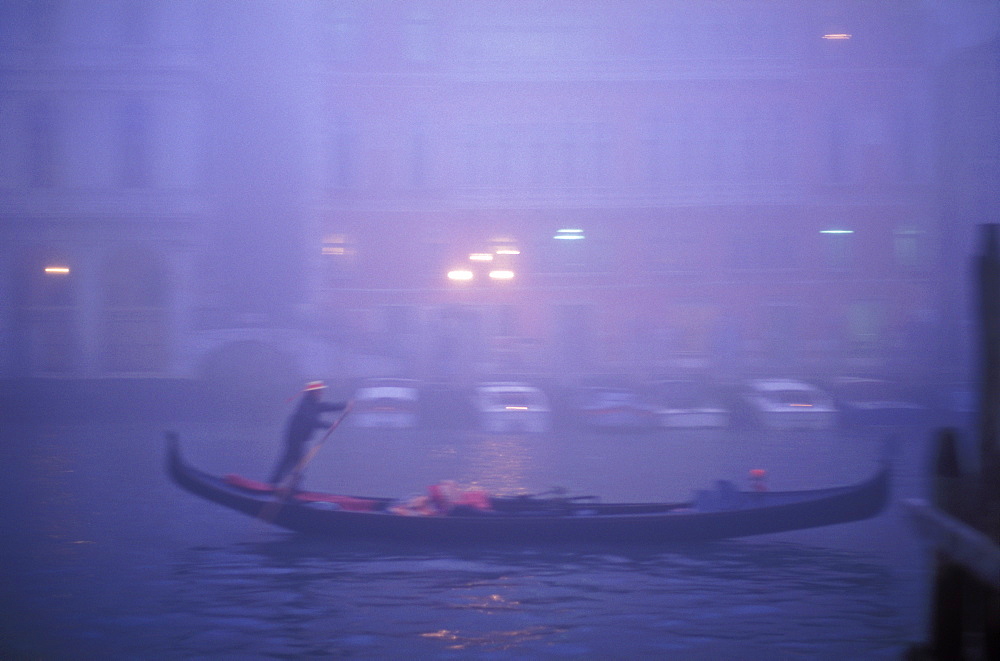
<point>299,595</point>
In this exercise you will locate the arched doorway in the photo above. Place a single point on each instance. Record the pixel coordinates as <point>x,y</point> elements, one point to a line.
<point>134,329</point>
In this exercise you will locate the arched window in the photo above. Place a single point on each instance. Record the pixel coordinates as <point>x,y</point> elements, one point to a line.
<point>134,337</point>
<point>134,278</point>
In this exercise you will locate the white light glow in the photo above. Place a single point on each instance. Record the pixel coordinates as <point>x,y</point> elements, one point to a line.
<point>501,275</point>
<point>838,35</point>
<point>836,231</point>
<point>460,274</point>
<point>508,251</point>
<point>569,234</point>
<point>481,257</point>
<point>60,270</point>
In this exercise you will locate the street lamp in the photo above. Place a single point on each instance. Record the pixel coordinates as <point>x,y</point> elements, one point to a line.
<point>460,275</point>
<point>569,234</point>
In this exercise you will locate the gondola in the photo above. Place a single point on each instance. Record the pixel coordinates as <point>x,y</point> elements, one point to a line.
<point>718,513</point>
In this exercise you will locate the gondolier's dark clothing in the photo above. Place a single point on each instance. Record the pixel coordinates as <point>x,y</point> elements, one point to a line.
<point>301,426</point>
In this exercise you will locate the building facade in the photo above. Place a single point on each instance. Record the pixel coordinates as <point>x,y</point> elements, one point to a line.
<point>739,187</point>
<point>151,206</point>
<point>968,156</point>
<point>102,203</point>
<point>455,191</point>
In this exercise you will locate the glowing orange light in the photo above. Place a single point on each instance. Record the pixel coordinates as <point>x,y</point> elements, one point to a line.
<point>516,408</point>
<point>62,270</point>
<point>838,35</point>
<point>800,404</point>
<point>460,275</point>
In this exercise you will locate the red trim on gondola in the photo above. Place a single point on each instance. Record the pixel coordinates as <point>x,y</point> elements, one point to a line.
<point>346,502</point>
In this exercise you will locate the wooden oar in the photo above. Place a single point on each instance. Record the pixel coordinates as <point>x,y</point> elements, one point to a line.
<point>284,489</point>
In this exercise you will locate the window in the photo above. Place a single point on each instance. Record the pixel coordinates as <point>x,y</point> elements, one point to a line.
<point>690,323</point>
<point>838,247</point>
<point>134,336</point>
<point>51,282</point>
<point>418,154</point>
<point>782,334</point>
<point>671,32</point>
<point>865,321</point>
<point>908,246</point>
<point>135,22</point>
<point>41,144</point>
<point>494,155</point>
<point>135,279</point>
<point>572,249</point>
<point>418,36</point>
<point>905,140</point>
<point>575,334</point>
<point>674,248</point>
<point>338,256</point>
<point>766,133</point>
<point>507,321</point>
<point>398,321</point>
<point>342,155</point>
<point>839,160</point>
<point>134,144</point>
<point>536,33</point>
<point>42,19</point>
<point>47,298</point>
<point>342,33</point>
<point>595,153</point>
<point>759,245</point>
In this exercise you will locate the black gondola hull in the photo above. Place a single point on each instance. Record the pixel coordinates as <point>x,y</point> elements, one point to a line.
<point>748,513</point>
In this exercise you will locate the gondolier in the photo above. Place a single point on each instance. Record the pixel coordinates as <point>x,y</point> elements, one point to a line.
<point>301,426</point>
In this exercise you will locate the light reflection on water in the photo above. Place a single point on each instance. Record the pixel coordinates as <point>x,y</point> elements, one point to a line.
<point>499,462</point>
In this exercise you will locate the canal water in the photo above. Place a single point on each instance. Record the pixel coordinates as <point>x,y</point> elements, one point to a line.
<point>104,558</point>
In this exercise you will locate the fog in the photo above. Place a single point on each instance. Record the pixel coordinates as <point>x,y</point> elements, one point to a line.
<point>703,239</point>
<point>253,194</point>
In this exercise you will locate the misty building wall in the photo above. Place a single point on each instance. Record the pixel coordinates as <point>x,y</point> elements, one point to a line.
<point>154,153</point>
<point>256,101</point>
<point>290,183</point>
<point>101,177</point>
<point>703,151</point>
<point>968,156</point>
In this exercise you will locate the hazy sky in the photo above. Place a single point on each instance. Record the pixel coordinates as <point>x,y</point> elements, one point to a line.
<point>966,22</point>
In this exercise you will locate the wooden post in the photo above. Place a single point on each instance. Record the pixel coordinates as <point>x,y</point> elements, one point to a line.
<point>947,476</point>
<point>989,425</point>
<point>964,519</point>
<point>989,400</point>
<point>948,620</point>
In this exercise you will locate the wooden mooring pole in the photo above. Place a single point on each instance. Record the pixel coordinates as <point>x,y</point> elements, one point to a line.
<point>963,522</point>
